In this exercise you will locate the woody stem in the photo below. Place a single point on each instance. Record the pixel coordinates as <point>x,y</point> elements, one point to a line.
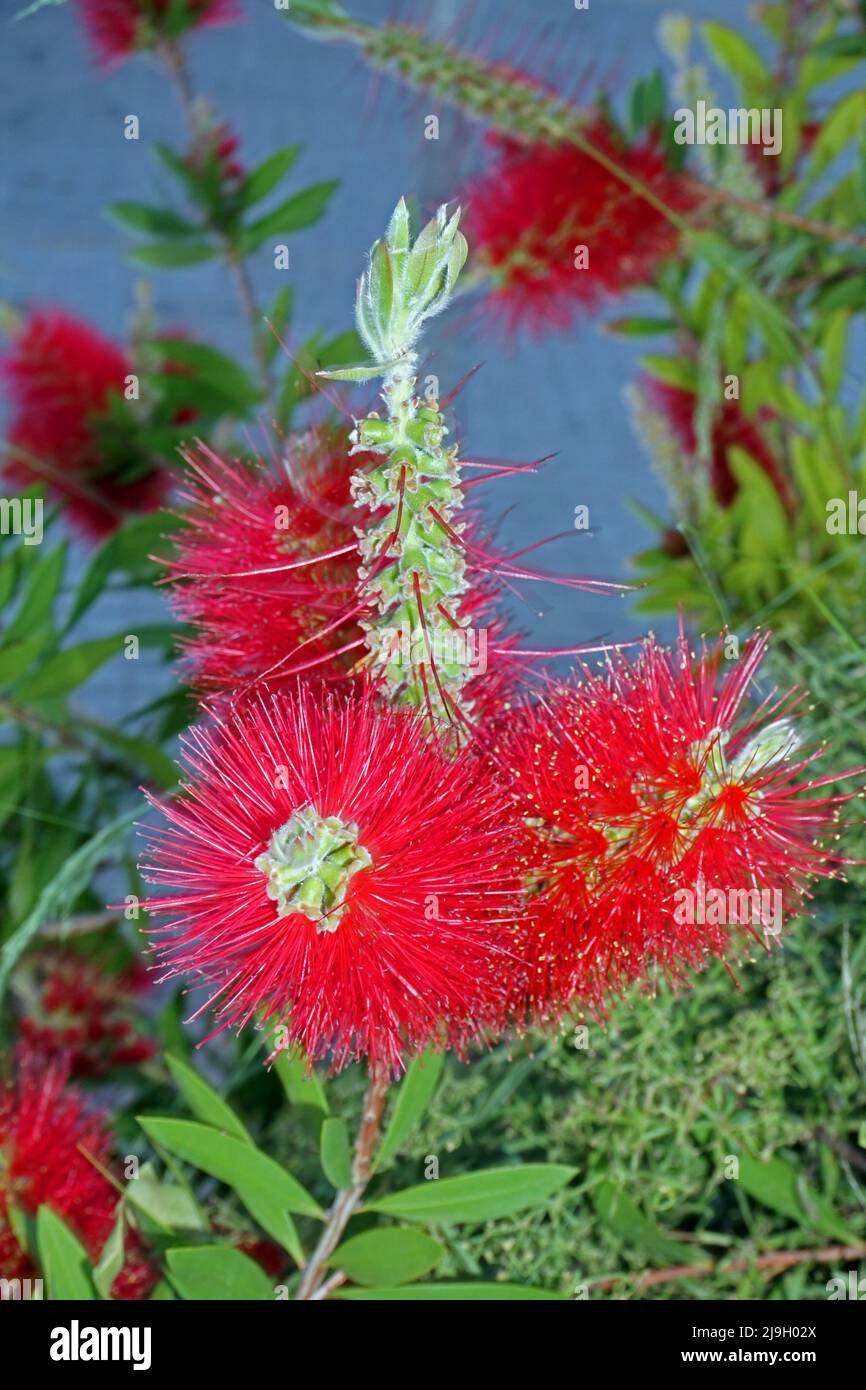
<point>348,1199</point>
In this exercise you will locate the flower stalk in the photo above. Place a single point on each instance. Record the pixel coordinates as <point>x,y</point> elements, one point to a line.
<point>348,1199</point>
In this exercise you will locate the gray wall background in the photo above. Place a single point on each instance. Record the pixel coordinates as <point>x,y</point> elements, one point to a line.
<point>65,157</point>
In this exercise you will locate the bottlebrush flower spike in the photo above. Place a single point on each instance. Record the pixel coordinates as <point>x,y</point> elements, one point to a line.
<point>425,575</point>
<point>119,28</point>
<point>558,231</point>
<point>48,1138</point>
<point>66,382</point>
<point>333,872</point>
<point>661,825</point>
<point>266,567</point>
<point>71,1008</point>
<point>413,576</point>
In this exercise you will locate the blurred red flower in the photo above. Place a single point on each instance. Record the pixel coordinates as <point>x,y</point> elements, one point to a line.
<point>117,28</point>
<point>66,383</point>
<point>72,1008</point>
<point>731,429</point>
<point>48,1138</point>
<point>529,212</point>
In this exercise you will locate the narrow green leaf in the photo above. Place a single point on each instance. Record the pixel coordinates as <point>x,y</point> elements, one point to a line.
<point>477,1197</point>
<point>267,1191</point>
<point>639,326</point>
<point>387,1256</point>
<point>111,1257</point>
<point>278,317</point>
<point>734,53</point>
<point>66,670</point>
<point>218,1273</point>
<point>40,591</point>
<point>211,366</point>
<point>141,217</point>
<point>169,1205</point>
<point>776,1184</point>
<point>58,896</point>
<point>267,175</point>
<point>302,1087</point>
<point>297,212</point>
<point>620,1214</point>
<point>413,1097</point>
<point>167,254</point>
<point>204,1102</point>
<point>127,550</point>
<point>361,371</point>
<point>336,1153</point>
<point>62,1258</point>
<point>844,124</point>
<point>17,658</point>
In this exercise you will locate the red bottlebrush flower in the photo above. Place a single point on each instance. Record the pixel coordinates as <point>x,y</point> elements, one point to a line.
<point>118,28</point>
<point>528,215</point>
<point>47,1139</point>
<point>661,826</point>
<point>214,152</point>
<point>335,873</point>
<point>731,430</point>
<point>72,1008</point>
<point>267,569</point>
<point>65,382</point>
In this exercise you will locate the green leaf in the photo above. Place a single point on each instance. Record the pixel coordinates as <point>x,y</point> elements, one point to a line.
<point>301,210</point>
<point>156,221</point>
<point>736,55</point>
<point>168,253</point>
<point>112,1256</point>
<point>218,1273</point>
<point>462,1293</point>
<point>278,317</point>
<point>336,1153</point>
<point>769,319</point>
<point>127,550</point>
<point>843,46</point>
<point>204,1102</point>
<point>674,371</point>
<point>778,1186</point>
<point>301,1087</point>
<point>620,1214</point>
<point>413,1097</point>
<point>17,658</point>
<point>475,1197</point>
<point>844,124</point>
<point>62,1258</point>
<point>58,896</point>
<point>267,175</point>
<point>267,1191</point>
<point>139,752</point>
<point>213,367</point>
<point>639,326</point>
<point>41,589</point>
<point>65,670</point>
<point>361,371</point>
<point>387,1256</point>
<point>170,1206</point>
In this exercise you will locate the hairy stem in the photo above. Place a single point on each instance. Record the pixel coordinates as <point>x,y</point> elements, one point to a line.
<point>348,1199</point>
